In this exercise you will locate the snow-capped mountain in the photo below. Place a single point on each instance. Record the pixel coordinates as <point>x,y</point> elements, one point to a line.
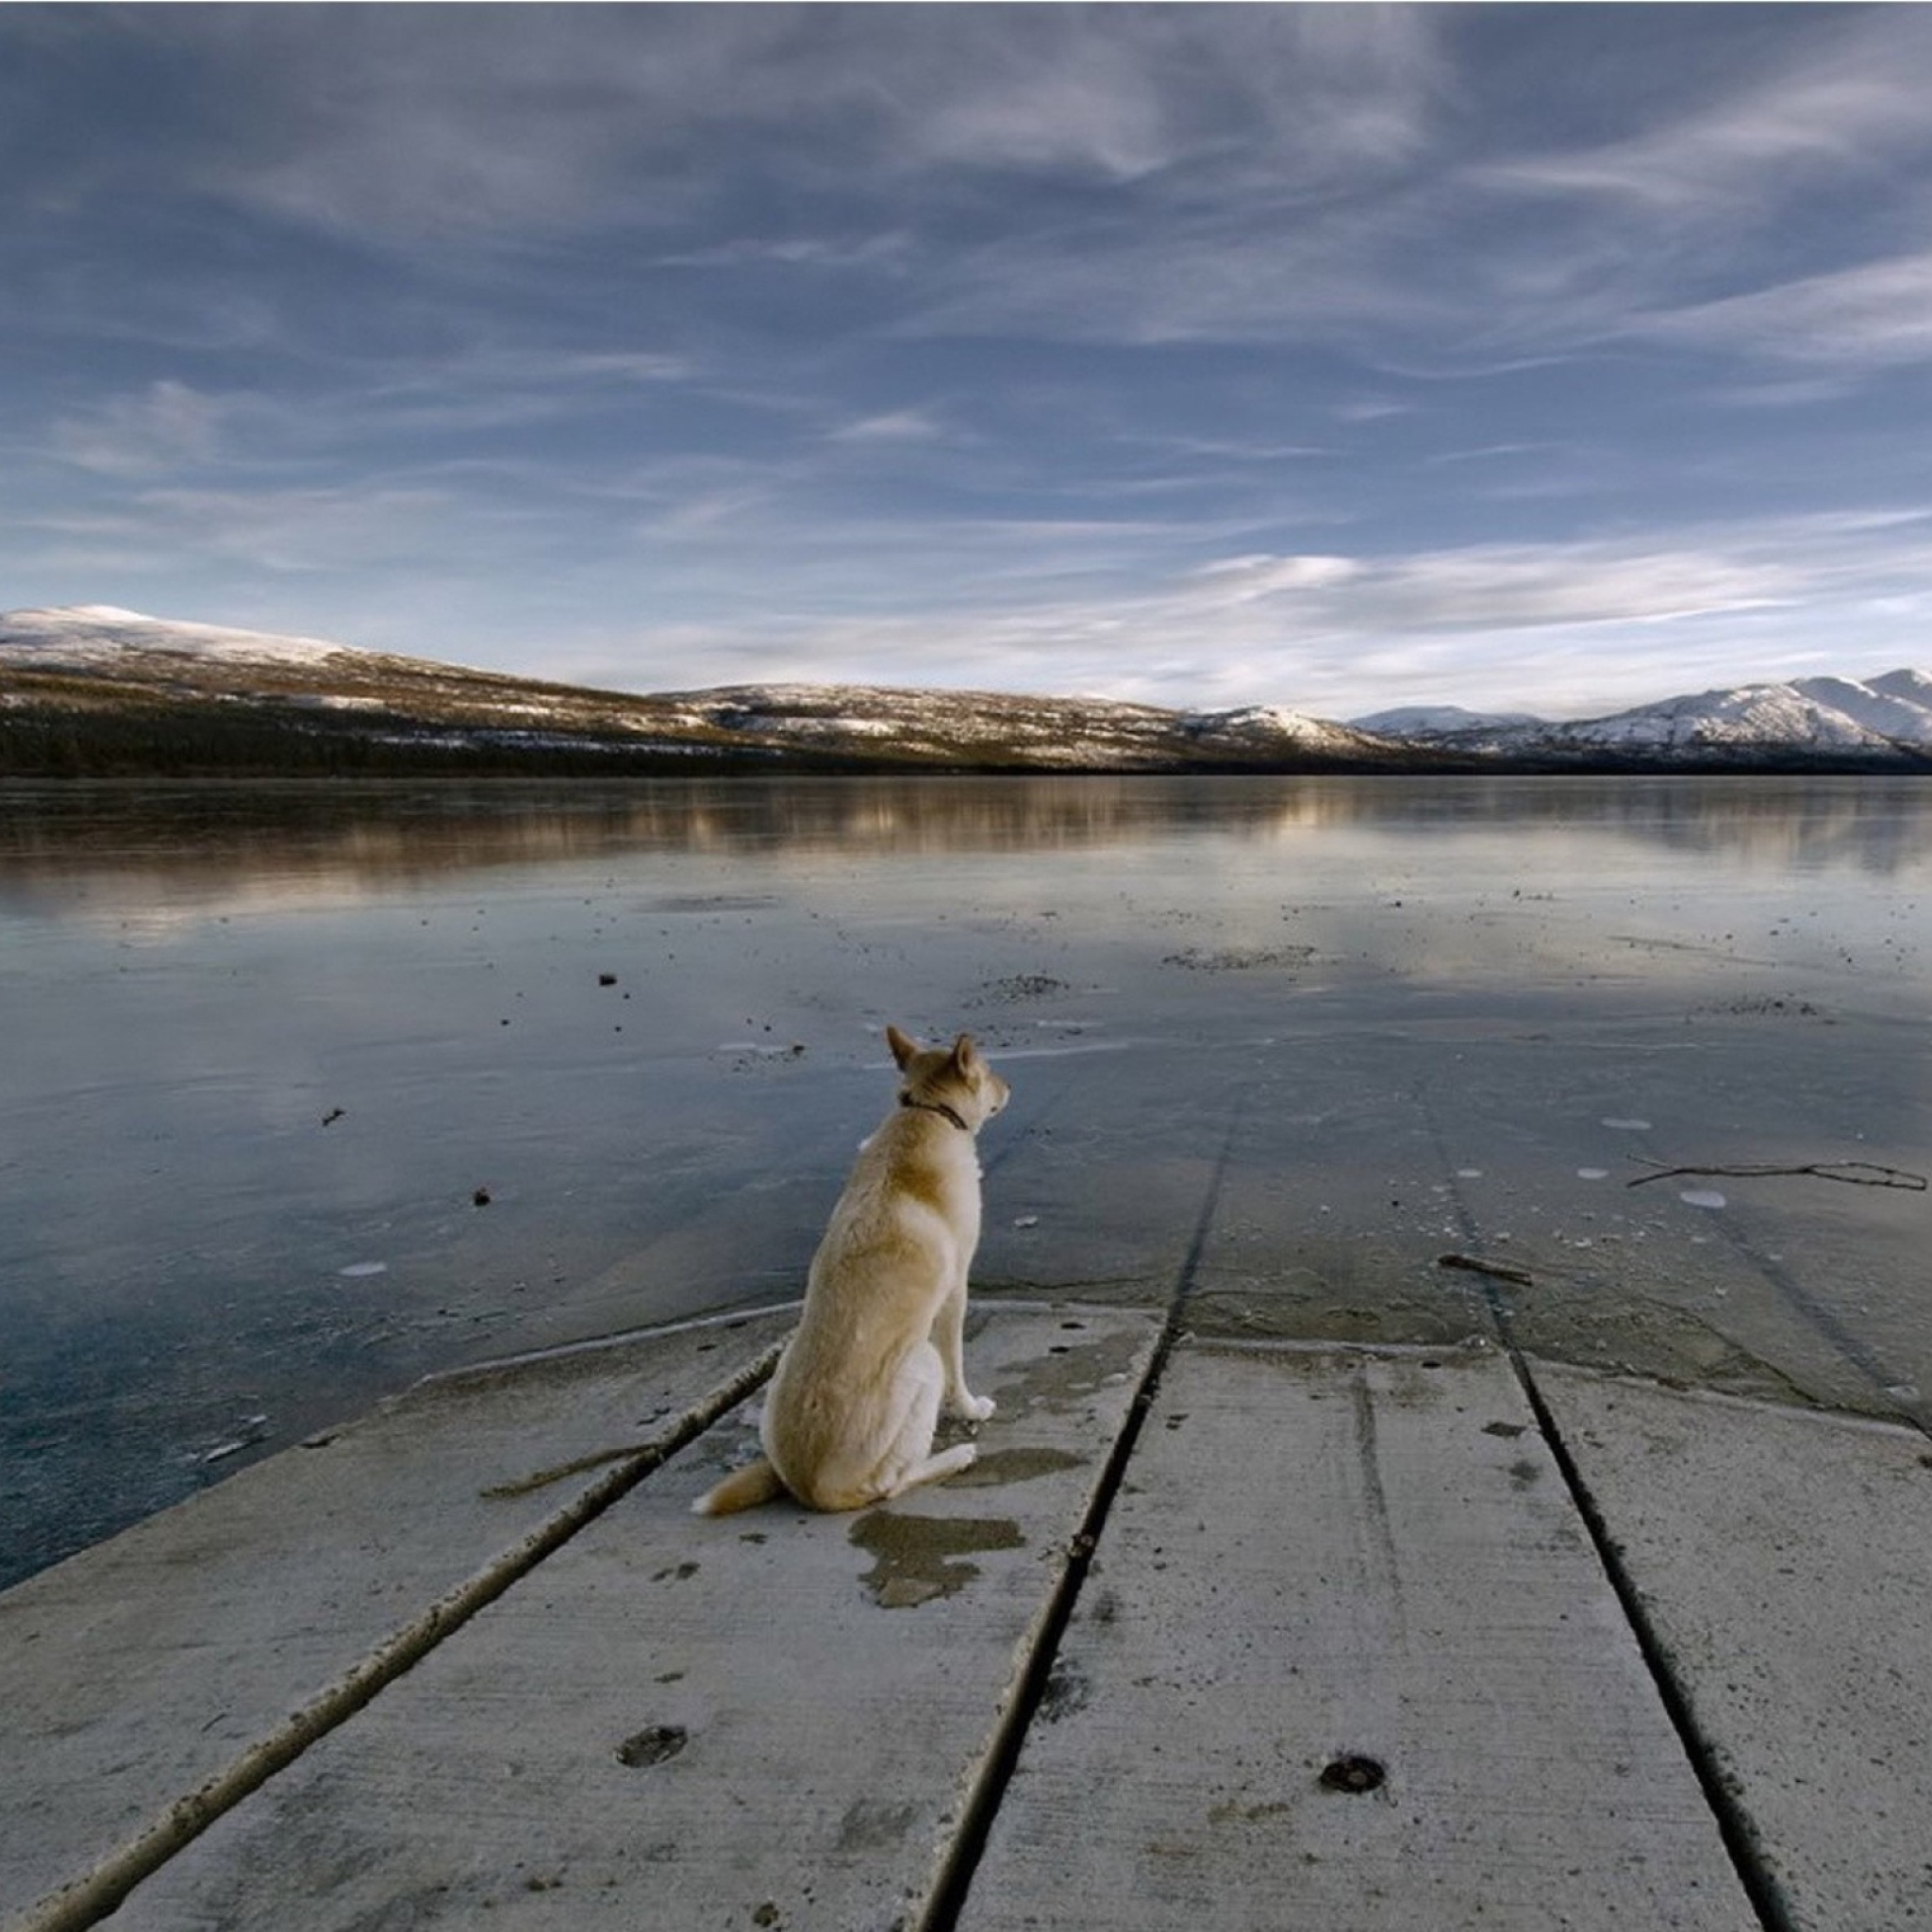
<point>100,688</point>
<point>1880,720</point>
<point>97,688</point>
<point>1915,686</point>
<point>1274,725</point>
<point>100,636</point>
<point>1885,706</point>
<point>1752,714</point>
<point>994,727</point>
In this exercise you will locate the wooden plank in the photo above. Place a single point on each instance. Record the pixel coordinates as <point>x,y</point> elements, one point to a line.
<point>164,1666</point>
<point>1329,1571</point>
<point>769,1719</point>
<point>1784,1559</point>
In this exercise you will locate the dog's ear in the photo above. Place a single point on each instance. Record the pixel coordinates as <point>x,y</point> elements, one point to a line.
<point>903,1049</point>
<point>964,1053</point>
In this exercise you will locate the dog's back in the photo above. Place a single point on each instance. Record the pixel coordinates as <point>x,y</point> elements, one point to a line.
<point>850,1414</point>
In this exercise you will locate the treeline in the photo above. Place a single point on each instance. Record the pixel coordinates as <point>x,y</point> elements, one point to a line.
<point>192,739</point>
<point>199,738</point>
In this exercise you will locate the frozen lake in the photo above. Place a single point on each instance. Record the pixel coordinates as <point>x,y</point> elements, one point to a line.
<point>306,1091</point>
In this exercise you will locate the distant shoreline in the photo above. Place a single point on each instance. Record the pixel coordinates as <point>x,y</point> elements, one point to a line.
<point>211,744</point>
<point>98,692</point>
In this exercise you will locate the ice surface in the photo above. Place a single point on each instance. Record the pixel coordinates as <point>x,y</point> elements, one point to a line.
<point>255,1043</point>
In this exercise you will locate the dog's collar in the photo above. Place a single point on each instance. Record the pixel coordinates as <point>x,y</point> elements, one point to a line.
<point>938,1107</point>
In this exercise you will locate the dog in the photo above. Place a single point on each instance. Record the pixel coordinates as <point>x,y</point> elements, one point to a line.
<point>879,1347</point>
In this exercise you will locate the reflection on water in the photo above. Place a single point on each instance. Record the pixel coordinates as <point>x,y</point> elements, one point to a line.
<point>308,1089</point>
<point>345,836</point>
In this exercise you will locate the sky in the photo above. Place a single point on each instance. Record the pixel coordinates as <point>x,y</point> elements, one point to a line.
<point>1554,358</point>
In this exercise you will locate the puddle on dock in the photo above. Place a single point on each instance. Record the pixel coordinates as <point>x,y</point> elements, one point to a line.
<point>917,1558</point>
<point>996,1468</point>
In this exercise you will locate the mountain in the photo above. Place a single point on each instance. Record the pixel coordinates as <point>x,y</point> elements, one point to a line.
<point>1884,706</point>
<point>103,690</point>
<point>988,729</point>
<point>1913,685</point>
<point>105,638</point>
<point>99,690</point>
<point>1814,722</point>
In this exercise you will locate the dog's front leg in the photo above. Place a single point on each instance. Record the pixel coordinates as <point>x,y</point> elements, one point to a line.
<point>949,1335</point>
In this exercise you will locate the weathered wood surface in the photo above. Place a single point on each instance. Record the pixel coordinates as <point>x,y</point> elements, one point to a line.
<point>180,1655</point>
<point>1784,1560</point>
<point>768,1718</point>
<point>1348,1653</point>
<point>1327,1572</point>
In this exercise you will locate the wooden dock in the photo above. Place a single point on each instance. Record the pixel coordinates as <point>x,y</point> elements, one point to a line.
<point>1217,1634</point>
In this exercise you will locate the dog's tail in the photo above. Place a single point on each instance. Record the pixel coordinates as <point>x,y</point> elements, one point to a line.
<point>744,1488</point>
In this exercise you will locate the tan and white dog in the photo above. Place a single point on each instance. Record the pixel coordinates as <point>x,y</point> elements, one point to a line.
<point>850,1415</point>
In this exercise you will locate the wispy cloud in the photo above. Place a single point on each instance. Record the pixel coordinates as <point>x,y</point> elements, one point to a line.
<point>1841,100</point>
<point>1451,264</point>
<point>1194,353</point>
<point>1586,625</point>
<point>1878,315</point>
<point>164,428</point>
<point>385,417</point>
<point>794,251</point>
<point>1302,95</point>
<point>892,426</point>
<point>386,123</point>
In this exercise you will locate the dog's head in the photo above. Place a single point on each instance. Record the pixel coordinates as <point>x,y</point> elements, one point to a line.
<point>954,1078</point>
